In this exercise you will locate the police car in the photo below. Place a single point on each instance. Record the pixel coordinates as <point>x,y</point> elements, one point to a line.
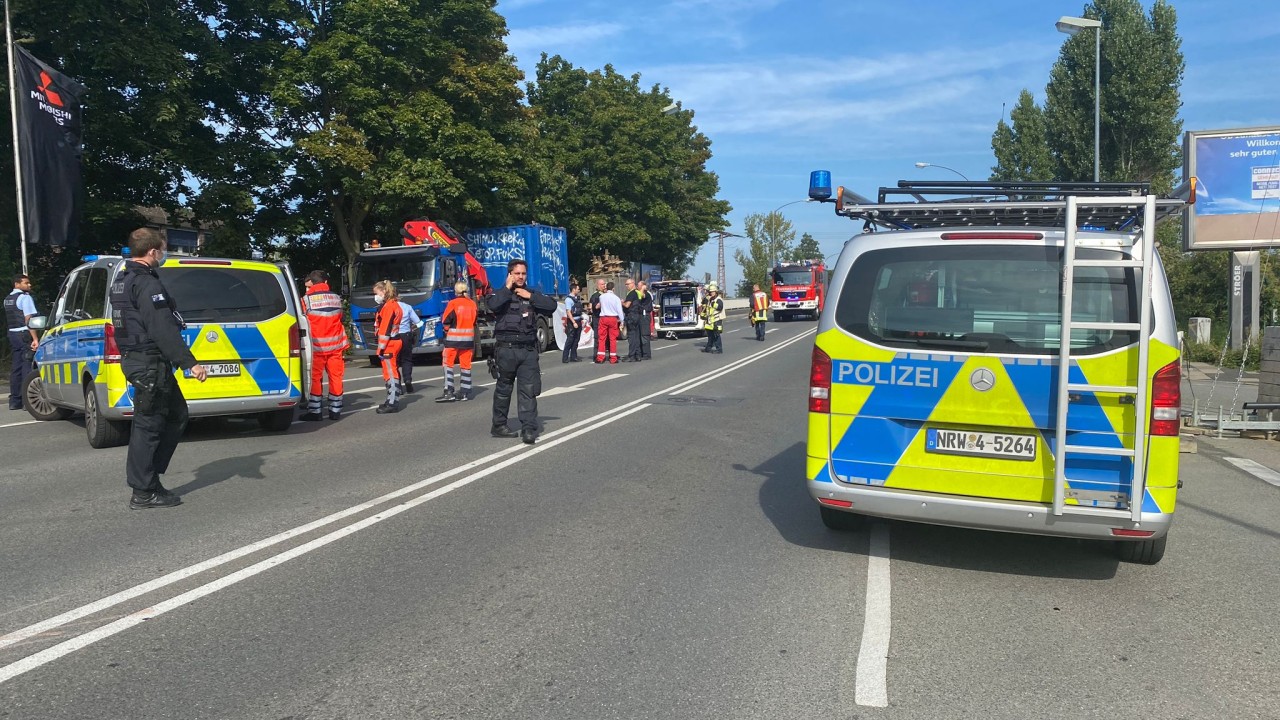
<point>242,323</point>
<point>937,392</point>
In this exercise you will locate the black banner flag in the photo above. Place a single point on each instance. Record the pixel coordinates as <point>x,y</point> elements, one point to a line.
<point>49,146</point>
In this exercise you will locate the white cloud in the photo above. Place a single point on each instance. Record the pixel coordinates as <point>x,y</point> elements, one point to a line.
<point>556,38</point>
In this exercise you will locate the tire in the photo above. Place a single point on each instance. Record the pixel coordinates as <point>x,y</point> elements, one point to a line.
<point>276,420</point>
<point>546,340</point>
<point>37,404</point>
<point>477,353</point>
<point>1145,552</point>
<point>374,361</point>
<point>103,433</point>
<point>839,520</point>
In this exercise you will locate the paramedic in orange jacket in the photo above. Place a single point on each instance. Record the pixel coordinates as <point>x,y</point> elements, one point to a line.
<point>328,339</point>
<point>459,320</point>
<point>387,327</point>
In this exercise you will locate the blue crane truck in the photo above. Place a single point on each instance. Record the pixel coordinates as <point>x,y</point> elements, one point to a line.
<point>544,247</point>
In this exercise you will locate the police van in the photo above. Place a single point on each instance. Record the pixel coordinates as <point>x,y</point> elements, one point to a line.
<point>242,323</point>
<point>1000,356</point>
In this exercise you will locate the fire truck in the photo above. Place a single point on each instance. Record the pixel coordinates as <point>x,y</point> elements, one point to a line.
<point>799,288</point>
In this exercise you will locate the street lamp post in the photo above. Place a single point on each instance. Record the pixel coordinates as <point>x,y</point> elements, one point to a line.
<point>944,167</point>
<point>1072,25</point>
<point>774,260</point>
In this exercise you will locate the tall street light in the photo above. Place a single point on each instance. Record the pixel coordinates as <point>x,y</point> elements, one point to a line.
<point>1072,25</point>
<point>774,260</point>
<point>944,167</point>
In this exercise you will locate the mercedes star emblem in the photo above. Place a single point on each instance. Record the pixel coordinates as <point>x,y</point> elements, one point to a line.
<point>211,336</point>
<point>982,379</point>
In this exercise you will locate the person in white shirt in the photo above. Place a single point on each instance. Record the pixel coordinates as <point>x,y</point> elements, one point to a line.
<point>611,314</point>
<point>409,321</point>
<point>18,309</point>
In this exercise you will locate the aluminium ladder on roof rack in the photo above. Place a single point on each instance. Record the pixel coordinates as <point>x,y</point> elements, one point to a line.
<point>1141,258</point>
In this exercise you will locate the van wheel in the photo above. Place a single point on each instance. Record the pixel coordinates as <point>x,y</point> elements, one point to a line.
<point>37,402</point>
<point>276,420</point>
<point>1146,552</point>
<point>103,433</point>
<point>838,520</point>
<point>374,361</point>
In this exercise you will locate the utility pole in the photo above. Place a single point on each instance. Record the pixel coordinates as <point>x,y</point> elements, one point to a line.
<point>721,235</point>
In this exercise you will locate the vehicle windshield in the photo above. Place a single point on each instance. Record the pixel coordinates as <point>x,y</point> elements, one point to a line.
<point>976,298</point>
<point>793,277</point>
<point>220,294</point>
<point>408,275</point>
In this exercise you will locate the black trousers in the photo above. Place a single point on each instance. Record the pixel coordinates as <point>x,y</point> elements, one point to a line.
<point>154,435</point>
<point>405,358</point>
<point>517,370</point>
<point>20,343</point>
<point>633,337</point>
<point>572,334</point>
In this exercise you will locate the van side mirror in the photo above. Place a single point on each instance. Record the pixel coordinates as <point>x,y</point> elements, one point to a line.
<point>39,322</point>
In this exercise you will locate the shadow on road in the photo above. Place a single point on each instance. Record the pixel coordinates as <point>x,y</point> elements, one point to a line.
<point>247,466</point>
<point>787,504</point>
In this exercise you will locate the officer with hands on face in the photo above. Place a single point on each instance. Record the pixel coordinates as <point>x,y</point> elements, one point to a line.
<point>148,330</point>
<point>516,308</point>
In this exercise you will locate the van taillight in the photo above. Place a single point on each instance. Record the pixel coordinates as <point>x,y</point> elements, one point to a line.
<point>295,341</point>
<point>1166,400</point>
<point>110,350</point>
<point>820,382</point>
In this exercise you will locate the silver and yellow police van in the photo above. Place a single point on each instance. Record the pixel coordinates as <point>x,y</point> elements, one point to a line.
<point>242,323</point>
<point>1003,357</point>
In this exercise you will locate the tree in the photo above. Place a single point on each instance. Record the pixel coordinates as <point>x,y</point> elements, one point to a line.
<point>1021,147</point>
<point>619,173</point>
<point>388,111</point>
<point>806,249</point>
<point>1142,68</point>
<point>769,237</point>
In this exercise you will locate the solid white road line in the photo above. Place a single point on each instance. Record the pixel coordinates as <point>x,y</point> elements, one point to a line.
<point>581,427</point>
<point>1258,470</point>
<point>16,424</point>
<point>871,685</point>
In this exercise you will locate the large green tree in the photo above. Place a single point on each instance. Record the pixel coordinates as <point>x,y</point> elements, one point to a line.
<point>617,171</point>
<point>807,249</point>
<point>769,239</point>
<point>1021,145</point>
<point>387,111</point>
<point>1142,69</point>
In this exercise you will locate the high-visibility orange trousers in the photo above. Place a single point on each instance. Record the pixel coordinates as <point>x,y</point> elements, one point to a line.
<point>330,364</point>
<point>391,360</point>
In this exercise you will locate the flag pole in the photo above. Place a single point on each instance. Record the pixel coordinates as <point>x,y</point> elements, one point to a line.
<point>13,115</point>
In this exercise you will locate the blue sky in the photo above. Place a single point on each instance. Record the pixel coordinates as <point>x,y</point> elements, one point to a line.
<point>867,89</point>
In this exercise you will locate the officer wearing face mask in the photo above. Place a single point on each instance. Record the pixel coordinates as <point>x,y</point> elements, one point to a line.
<point>148,330</point>
<point>516,308</point>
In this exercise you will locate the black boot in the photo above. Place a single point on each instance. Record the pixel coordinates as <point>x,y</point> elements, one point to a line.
<point>502,431</point>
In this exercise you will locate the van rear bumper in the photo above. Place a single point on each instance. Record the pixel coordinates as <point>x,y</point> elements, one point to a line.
<point>240,406</point>
<point>982,513</point>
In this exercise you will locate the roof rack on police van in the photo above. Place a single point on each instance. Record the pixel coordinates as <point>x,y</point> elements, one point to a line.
<point>935,204</point>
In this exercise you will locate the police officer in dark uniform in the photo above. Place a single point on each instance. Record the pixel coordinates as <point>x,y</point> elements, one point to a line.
<point>516,308</point>
<point>148,331</point>
<point>594,305</point>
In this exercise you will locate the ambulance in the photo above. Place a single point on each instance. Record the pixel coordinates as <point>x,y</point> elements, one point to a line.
<point>1000,356</point>
<point>243,323</point>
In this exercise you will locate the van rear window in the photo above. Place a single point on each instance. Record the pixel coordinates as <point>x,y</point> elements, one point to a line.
<point>223,294</point>
<point>1003,299</point>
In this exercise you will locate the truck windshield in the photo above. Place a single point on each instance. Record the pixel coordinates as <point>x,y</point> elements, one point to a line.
<point>408,275</point>
<point>792,277</point>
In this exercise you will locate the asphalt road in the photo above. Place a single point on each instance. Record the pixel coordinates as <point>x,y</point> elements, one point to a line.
<point>655,555</point>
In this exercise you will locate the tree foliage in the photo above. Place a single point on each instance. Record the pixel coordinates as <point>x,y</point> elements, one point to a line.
<point>769,239</point>
<point>619,173</point>
<point>806,249</point>
<point>1021,146</point>
<point>1142,68</point>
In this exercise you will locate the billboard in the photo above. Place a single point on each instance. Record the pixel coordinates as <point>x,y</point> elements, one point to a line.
<point>1237,188</point>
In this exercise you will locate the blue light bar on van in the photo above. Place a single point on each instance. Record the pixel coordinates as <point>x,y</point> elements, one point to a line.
<point>820,185</point>
<point>89,258</point>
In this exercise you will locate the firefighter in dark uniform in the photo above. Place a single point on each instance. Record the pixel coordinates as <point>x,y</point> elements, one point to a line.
<point>516,308</point>
<point>148,331</point>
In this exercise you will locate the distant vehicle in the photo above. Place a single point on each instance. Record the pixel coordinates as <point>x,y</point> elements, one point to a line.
<point>675,307</point>
<point>798,288</point>
<point>433,258</point>
<point>546,250</point>
<point>242,323</point>
<point>1021,375</point>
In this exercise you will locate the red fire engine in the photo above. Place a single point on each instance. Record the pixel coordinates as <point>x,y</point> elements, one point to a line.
<point>799,288</point>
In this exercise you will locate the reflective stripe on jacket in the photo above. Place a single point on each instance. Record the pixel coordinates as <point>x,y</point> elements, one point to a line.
<point>386,324</point>
<point>459,320</point>
<point>759,307</point>
<point>324,315</point>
